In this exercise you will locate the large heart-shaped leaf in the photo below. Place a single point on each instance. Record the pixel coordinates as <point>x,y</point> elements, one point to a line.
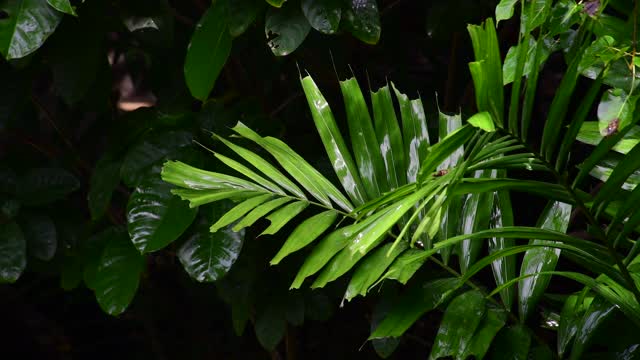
<point>155,216</point>
<point>118,274</point>
<point>13,252</point>
<point>208,256</point>
<point>323,16</point>
<point>27,26</point>
<point>363,20</point>
<point>208,51</point>
<point>285,29</point>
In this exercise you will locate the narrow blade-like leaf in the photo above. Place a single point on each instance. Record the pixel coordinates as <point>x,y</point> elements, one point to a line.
<point>334,144</point>
<point>363,139</point>
<point>389,137</point>
<point>305,233</point>
<point>414,133</point>
<point>555,217</point>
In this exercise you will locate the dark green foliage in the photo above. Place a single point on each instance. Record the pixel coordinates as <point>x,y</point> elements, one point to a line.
<point>161,155</point>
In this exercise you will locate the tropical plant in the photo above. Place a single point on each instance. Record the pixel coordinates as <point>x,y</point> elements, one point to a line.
<point>407,206</point>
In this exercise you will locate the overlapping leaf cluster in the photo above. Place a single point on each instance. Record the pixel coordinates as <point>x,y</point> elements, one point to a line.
<point>406,201</point>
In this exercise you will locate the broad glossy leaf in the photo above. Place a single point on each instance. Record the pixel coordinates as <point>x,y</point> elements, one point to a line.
<point>493,320</point>
<point>104,180</point>
<point>208,51</point>
<point>118,275</point>
<point>572,311</point>
<point>27,26</point>
<point>155,217</point>
<point>41,236</point>
<point>265,167</point>
<point>242,13</point>
<point>305,233</point>
<point>598,312</point>
<point>299,168</point>
<point>144,156</point>
<point>334,144</point>
<point>389,137</point>
<point>283,215</point>
<point>259,212</point>
<point>63,6</point>
<point>285,29</point>
<point>13,252</point>
<point>504,10</point>
<point>372,268</point>
<point>362,19</point>
<point>363,139</point>
<point>323,16</point>
<point>530,290</point>
<point>207,256</point>
<point>42,186</point>
<point>615,111</point>
<point>418,300</point>
<point>461,319</point>
<point>590,134</point>
<point>239,211</point>
<point>414,133</point>
<point>511,343</point>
